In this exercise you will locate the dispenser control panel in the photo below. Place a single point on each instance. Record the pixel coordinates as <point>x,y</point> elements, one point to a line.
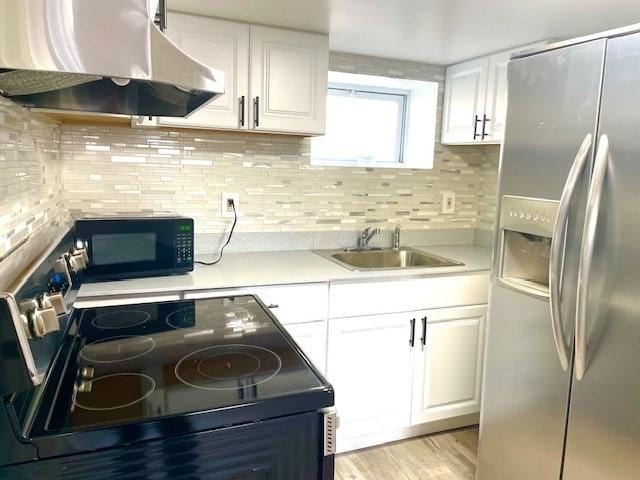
<point>535,216</point>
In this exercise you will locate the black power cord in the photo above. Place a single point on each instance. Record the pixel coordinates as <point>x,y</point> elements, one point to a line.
<point>235,220</point>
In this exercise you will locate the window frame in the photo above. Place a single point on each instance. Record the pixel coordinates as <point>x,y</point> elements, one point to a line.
<point>404,100</point>
<point>420,120</point>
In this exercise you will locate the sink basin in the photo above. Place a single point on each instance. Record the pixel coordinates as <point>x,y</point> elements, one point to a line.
<point>386,259</point>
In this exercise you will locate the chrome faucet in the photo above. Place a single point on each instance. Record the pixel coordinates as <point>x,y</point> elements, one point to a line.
<point>396,238</point>
<point>365,237</point>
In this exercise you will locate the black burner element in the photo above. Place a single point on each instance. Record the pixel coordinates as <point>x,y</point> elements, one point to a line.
<point>225,366</point>
<point>182,318</point>
<point>112,392</point>
<point>228,367</point>
<point>117,349</point>
<point>120,319</point>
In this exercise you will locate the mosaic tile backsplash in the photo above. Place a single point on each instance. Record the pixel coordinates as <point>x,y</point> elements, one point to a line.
<point>120,169</point>
<point>117,168</point>
<point>30,175</point>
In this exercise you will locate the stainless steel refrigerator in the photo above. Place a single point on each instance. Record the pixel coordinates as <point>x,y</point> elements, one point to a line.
<point>562,375</point>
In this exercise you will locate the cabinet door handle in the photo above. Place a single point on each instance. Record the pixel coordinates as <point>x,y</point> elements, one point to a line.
<point>423,338</point>
<point>412,334</point>
<point>273,305</point>
<point>485,119</point>
<point>242,111</point>
<point>475,126</point>
<point>256,112</point>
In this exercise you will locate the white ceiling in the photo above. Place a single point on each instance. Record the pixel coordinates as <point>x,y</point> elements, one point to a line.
<point>433,31</point>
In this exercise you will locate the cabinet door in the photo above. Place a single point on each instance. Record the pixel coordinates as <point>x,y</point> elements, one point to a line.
<point>223,46</point>
<point>464,101</point>
<point>288,80</point>
<point>448,371</point>
<point>496,103</point>
<point>370,367</point>
<point>312,339</point>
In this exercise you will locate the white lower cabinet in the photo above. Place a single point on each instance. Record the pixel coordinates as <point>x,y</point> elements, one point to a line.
<point>387,389</point>
<point>370,367</point>
<point>448,370</point>
<point>312,339</point>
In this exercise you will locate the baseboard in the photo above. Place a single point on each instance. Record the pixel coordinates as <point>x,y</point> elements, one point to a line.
<point>365,441</point>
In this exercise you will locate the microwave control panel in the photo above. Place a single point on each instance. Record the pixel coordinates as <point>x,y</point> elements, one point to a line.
<point>184,243</point>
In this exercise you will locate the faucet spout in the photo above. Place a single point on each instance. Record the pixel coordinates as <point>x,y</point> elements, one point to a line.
<point>366,236</point>
<point>396,238</point>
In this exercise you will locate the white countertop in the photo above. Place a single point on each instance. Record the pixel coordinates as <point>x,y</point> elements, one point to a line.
<point>277,268</point>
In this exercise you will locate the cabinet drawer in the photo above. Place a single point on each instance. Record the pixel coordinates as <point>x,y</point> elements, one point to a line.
<point>366,298</point>
<point>289,303</point>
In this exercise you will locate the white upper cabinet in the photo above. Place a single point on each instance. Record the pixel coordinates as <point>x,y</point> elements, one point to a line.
<point>221,45</point>
<point>496,101</point>
<point>275,79</point>
<point>465,91</point>
<point>475,99</point>
<point>288,80</point>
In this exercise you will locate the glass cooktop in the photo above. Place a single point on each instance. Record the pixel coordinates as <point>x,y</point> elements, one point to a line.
<point>138,362</point>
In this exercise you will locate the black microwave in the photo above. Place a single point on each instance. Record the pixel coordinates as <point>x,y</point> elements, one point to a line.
<point>135,246</point>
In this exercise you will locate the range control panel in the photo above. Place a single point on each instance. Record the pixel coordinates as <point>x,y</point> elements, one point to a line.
<point>535,216</point>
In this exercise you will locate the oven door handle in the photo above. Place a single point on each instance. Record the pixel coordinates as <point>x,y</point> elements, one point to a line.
<point>556,256</point>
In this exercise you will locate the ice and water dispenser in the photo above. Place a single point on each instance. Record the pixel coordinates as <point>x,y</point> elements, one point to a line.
<point>526,230</point>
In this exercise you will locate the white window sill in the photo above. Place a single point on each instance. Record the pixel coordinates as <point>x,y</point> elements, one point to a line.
<point>355,164</point>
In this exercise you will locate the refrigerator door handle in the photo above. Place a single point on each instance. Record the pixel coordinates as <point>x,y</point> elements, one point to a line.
<point>556,256</point>
<point>586,252</point>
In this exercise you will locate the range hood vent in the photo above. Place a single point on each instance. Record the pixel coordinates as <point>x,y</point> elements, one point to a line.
<point>98,56</point>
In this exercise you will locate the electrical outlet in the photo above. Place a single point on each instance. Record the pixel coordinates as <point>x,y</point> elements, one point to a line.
<point>226,200</point>
<point>448,202</point>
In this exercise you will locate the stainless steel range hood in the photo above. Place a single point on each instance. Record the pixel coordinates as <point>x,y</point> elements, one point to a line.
<point>99,56</point>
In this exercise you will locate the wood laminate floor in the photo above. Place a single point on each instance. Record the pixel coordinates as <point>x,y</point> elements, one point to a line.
<point>441,456</point>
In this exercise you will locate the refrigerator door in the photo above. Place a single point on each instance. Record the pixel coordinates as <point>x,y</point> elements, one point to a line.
<point>603,435</point>
<point>553,107</point>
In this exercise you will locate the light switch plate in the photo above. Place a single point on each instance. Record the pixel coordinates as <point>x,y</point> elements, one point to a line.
<point>448,202</point>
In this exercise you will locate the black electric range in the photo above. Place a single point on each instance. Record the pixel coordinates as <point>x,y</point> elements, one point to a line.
<point>211,388</point>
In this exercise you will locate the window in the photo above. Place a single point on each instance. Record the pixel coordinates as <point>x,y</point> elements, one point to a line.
<point>363,126</point>
<point>377,122</point>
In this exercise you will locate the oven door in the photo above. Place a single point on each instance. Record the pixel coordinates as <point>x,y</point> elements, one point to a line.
<point>285,448</point>
<point>121,248</point>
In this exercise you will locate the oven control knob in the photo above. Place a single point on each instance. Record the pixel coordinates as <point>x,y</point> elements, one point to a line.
<point>35,324</point>
<point>77,262</point>
<point>81,251</point>
<point>25,323</point>
<point>62,268</point>
<point>85,386</point>
<point>56,301</point>
<point>45,321</point>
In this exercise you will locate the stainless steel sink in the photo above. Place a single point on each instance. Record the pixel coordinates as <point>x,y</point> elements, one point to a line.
<point>386,259</point>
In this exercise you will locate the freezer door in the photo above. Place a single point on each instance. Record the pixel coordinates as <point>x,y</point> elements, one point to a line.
<point>603,435</point>
<point>553,105</point>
